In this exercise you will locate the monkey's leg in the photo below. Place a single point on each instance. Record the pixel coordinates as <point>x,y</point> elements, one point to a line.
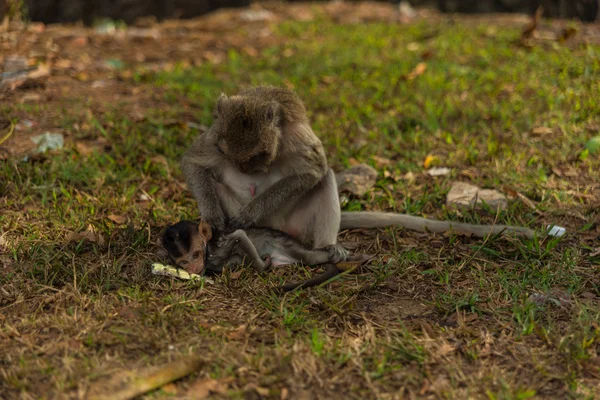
<point>316,219</point>
<point>245,248</point>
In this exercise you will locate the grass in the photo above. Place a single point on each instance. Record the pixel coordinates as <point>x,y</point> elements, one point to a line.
<point>448,317</point>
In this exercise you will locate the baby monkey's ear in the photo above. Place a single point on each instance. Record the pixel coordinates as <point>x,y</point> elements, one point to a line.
<point>205,230</point>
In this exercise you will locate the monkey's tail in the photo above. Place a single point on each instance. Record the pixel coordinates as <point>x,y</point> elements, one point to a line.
<point>376,219</point>
<point>330,271</point>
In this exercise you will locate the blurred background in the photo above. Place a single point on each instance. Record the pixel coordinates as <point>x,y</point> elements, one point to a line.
<point>49,11</point>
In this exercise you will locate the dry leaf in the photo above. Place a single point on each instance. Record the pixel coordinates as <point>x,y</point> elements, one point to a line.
<point>429,160</point>
<point>235,274</point>
<point>90,234</point>
<point>169,388</point>
<point>541,130</point>
<point>117,219</point>
<point>238,333</point>
<point>260,390</point>
<point>445,348</point>
<point>84,149</point>
<point>418,70</point>
<point>531,27</point>
<point>285,393</point>
<point>381,162</point>
<point>202,388</point>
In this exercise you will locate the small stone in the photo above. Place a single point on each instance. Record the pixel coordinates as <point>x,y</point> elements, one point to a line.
<point>357,180</point>
<point>465,195</point>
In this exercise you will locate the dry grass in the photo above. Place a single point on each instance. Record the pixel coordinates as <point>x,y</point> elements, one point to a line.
<point>432,317</point>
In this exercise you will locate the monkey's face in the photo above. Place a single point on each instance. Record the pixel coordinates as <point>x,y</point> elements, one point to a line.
<point>247,133</point>
<point>186,244</point>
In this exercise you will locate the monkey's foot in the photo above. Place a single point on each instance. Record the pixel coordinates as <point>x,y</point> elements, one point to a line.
<point>268,261</point>
<point>337,253</point>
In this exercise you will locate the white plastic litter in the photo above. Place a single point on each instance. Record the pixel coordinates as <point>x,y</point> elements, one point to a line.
<point>167,270</point>
<point>48,141</point>
<point>556,230</point>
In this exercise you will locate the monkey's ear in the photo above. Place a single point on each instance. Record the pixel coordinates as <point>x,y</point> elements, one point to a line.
<point>220,102</point>
<point>205,230</point>
<point>271,111</point>
<point>171,234</point>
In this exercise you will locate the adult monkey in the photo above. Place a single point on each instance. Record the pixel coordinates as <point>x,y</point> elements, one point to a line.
<point>260,164</point>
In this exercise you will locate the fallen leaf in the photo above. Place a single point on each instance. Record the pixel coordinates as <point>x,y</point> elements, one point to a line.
<point>238,333</point>
<point>388,174</point>
<point>445,348</point>
<point>169,388</point>
<point>90,234</point>
<point>568,33</point>
<point>117,219</point>
<point>532,25</point>
<point>202,388</point>
<point>84,149</point>
<point>418,70</point>
<point>381,162</point>
<point>235,274</point>
<point>541,130</point>
<point>260,390</point>
<point>284,394</point>
<point>429,160</point>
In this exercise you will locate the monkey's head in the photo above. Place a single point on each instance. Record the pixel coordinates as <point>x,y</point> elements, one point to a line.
<point>248,131</point>
<point>186,244</point>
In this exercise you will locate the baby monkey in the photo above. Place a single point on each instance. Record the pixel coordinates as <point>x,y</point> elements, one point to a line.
<point>198,248</point>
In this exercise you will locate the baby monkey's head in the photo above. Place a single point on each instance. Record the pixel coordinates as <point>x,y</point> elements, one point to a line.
<point>248,131</point>
<point>186,244</point>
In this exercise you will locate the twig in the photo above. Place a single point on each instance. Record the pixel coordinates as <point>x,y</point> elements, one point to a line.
<point>10,132</point>
<point>127,385</point>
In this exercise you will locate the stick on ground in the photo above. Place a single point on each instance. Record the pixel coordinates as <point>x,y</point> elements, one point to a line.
<point>129,384</point>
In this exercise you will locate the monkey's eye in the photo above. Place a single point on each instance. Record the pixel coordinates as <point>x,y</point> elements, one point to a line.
<point>196,255</point>
<point>220,150</point>
<point>183,262</point>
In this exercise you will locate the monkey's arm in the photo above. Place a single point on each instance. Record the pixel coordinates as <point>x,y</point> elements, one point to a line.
<point>374,219</point>
<point>203,186</point>
<point>279,195</point>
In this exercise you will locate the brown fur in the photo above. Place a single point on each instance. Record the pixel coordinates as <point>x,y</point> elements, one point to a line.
<point>260,163</point>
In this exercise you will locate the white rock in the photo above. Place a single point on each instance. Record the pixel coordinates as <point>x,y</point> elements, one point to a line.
<point>465,195</point>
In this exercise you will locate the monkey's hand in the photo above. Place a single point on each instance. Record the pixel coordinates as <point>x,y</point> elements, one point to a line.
<point>268,261</point>
<point>239,222</point>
